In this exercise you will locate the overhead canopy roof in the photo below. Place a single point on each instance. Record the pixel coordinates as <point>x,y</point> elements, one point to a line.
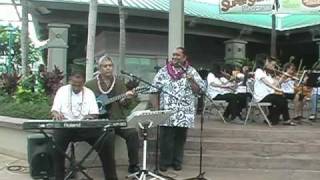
<point>205,10</point>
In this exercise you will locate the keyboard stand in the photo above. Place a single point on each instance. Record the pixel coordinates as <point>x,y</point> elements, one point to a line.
<point>76,166</point>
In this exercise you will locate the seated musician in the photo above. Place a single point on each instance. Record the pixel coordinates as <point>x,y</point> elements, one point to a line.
<point>242,77</point>
<point>267,89</point>
<point>76,102</point>
<point>219,88</point>
<point>288,84</point>
<point>314,104</point>
<point>106,83</point>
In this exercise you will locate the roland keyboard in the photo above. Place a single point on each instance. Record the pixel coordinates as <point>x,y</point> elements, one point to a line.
<point>72,124</point>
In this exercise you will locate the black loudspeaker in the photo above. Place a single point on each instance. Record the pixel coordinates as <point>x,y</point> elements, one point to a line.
<point>40,156</point>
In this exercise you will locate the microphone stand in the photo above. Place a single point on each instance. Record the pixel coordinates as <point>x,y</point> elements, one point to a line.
<point>201,174</point>
<point>156,171</point>
<point>151,85</point>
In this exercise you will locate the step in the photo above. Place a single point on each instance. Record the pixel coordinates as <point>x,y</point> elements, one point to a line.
<point>250,160</point>
<point>255,145</point>
<point>245,174</point>
<point>221,130</point>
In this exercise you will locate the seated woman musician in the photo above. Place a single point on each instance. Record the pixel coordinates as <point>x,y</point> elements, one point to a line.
<point>291,88</point>
<point>267,89</point>
<point>242,77</point>
<point>220,88</point>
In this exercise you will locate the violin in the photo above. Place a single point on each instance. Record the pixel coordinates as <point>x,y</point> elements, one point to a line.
<point>276,78</point>
<point>304,90</point>
<point>276,72</point>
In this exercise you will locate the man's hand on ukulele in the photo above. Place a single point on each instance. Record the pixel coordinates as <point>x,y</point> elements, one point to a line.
<point>130,94</point>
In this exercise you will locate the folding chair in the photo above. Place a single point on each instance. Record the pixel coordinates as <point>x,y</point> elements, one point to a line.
<point>254,104</point>
<point>216,106</point>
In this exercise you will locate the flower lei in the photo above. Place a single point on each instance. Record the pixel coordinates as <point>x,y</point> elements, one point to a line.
<point>111,87</point>
<point>174,73</point>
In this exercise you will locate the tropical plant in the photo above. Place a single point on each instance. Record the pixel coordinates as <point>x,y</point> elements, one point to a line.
<point>239,62</point>
<point>52,81</point>
<point>9,82</point>
<point>25,95</point>
<point>28,82</point>
<point>25,110</point>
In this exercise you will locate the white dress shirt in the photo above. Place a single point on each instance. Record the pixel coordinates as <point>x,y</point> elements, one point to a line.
<point>261,90</point>
<point>212,90</point>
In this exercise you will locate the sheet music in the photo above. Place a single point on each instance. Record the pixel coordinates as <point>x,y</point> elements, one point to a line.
<point>157,117</point>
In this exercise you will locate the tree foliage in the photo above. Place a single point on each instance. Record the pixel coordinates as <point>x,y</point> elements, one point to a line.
<point>13,34</point>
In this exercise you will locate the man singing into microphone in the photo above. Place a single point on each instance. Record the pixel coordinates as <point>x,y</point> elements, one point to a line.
<point>180,79</point>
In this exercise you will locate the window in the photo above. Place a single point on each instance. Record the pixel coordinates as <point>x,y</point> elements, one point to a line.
<point>143,67</point>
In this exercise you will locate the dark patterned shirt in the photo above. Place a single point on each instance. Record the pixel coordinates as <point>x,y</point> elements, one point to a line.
<point>184,105</point>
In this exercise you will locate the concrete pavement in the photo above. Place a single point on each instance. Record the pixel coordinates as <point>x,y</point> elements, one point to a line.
<point>187,172</point>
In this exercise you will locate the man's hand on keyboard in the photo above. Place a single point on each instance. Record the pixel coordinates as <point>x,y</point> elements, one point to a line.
<point>57,116</point>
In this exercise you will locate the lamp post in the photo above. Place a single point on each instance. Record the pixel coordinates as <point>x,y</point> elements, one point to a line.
<point>9,64</point>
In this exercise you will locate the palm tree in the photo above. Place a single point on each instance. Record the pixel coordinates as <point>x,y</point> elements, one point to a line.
<point>122,38</point>
<point>24,37</point>
<point>92,23</point>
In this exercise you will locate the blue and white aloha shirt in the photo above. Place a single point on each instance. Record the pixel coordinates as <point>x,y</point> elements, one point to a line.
<point>184,105</point>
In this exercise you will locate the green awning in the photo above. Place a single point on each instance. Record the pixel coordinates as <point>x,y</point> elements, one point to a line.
<point>195,8</point>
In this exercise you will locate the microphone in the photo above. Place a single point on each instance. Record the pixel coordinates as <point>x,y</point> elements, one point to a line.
<point>183,69</point>
<point>126,73</point>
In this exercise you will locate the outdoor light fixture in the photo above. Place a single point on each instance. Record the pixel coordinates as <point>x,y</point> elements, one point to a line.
<point>315,32</point>
<point>43,10</point>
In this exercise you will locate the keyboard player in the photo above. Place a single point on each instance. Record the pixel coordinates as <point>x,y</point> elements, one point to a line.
<point>76,102</point>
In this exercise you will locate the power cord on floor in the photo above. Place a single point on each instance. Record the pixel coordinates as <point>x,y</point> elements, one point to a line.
<point>18,169</point>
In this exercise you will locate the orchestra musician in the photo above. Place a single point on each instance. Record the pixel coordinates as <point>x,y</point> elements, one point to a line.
<point>267,89</point>
<point>76,102</point>
<point>108,84</point>
<point>243,76</point>
<point>314,105</point>
<point>292,90</point>
<point>315,94</point>
<point>219,88</point>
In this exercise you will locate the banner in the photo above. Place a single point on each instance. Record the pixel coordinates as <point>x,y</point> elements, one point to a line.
<point>246,6</point>
<point>299,6</point>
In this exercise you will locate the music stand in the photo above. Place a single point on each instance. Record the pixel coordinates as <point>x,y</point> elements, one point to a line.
<point>145,120</point>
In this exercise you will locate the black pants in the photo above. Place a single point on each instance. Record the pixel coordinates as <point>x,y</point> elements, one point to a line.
<point>243,99</point>
<point>279,106</point>
<point>132,140</point>
<point>289,96</point>
<point>233,107</point>
<point>105,149</point>
<point>172,140</point>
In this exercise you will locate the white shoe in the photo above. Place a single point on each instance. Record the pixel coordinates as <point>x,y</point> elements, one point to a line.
<point>312,117</point>
<point>237,120</point>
